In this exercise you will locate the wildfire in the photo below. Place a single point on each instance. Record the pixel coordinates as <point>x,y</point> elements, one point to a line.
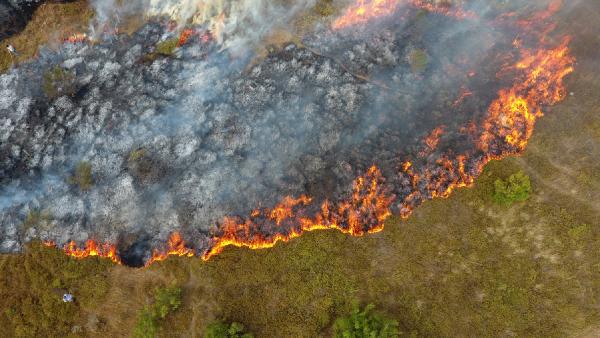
<point>432,140</point>
<point>92,248</point>
<point>364,212</point>
<point>512,116</point>
<point>538,81</point>
<point>175,247</point>
<point>77,38</point>
<point>366,10</point>
<point>184,37</point>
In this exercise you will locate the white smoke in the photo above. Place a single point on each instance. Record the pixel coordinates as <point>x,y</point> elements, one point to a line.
<point>236,24</point>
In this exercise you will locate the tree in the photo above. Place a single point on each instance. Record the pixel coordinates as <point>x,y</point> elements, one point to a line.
<point>219,329</point>
<point>516,189</point>
<point>365,324</point>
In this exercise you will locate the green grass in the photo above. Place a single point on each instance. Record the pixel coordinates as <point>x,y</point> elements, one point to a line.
<point>418,60</point>
<point>365,323</point>
<point>31,291</point>
<point>57,82</point>
<point>82,177</point>
<point>515,189</point>
<point>221,330</point>
<point>166,300</point>
<point>51,23</point>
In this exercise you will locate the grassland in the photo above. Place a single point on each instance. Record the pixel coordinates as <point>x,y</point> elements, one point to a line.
<point>50,25</point>
<point>459,267</point>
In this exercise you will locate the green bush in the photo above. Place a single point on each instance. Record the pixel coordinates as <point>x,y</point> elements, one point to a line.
<point>324,8</point>
<point>166,300</point>
<point>222,330</point>
<point>167,47</point>
<point>365,324</point>
<point>516,189</point>
<point>83,176</point>
<point>58,81</point>
<point>418,60</point>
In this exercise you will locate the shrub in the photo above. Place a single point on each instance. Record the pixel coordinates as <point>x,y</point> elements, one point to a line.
<point>57,82</point>
<point>366,323</point>
<point>166,300</point>
<point>516,189</point>
<point>167,47</point>
<point>418,60</point>
<point>324,8</point>
<point>83,176</point>
<point>36,217</point>
<point>222,330</point>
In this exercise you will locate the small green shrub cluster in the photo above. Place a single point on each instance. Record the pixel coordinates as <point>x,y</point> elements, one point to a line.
<point>365,324</point>
<point>221,330</point>
<point>83,176</point>
<point>167,47</point>
<point>516,189</point>
<point>166,300</point>
<point>418,60</point>
<point>324,8</point>
<point>57,82</point>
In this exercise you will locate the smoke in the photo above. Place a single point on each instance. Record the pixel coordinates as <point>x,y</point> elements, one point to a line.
<point>177,142</point>
<point>236,24</point>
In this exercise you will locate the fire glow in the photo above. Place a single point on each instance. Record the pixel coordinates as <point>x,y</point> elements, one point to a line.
<point>367,10</point>
<point>537,82</point>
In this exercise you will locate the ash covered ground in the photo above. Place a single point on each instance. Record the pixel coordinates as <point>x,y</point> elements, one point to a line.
<point>113,141</point>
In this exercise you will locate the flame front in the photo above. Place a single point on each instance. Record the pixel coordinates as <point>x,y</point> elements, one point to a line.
<point>92,248</point>
<point>175,247</point>
<point>538,81</point>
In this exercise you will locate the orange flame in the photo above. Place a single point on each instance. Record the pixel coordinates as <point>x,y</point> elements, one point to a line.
<point>185,36</point>
<point>364,212</point>
<point>175,247</point>
<point>366,10</point>
<point>76,38</point>
<point>92,248</point>
<point>538,82</point>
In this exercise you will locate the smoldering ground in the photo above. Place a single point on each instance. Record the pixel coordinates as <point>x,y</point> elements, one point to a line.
<point>139,143</point>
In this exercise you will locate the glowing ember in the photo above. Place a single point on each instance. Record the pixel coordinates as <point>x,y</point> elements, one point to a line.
<point>367,10</point>
<point>76,38</point>
<point>184,37</point>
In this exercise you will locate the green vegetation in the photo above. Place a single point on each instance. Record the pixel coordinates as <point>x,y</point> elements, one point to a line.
<point>418,60</point>
<point>83,176</point>
<point>36,217</point>
<point>365,324</point>
<point>57,82</point>
<point>50,23</point>
<point>324,8</point>
<point>136,155</point>
<point>166,300</point>
<point>31,288</point>
<point>516,189</point>
<point>222,330</point>
<point>167,47</point>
